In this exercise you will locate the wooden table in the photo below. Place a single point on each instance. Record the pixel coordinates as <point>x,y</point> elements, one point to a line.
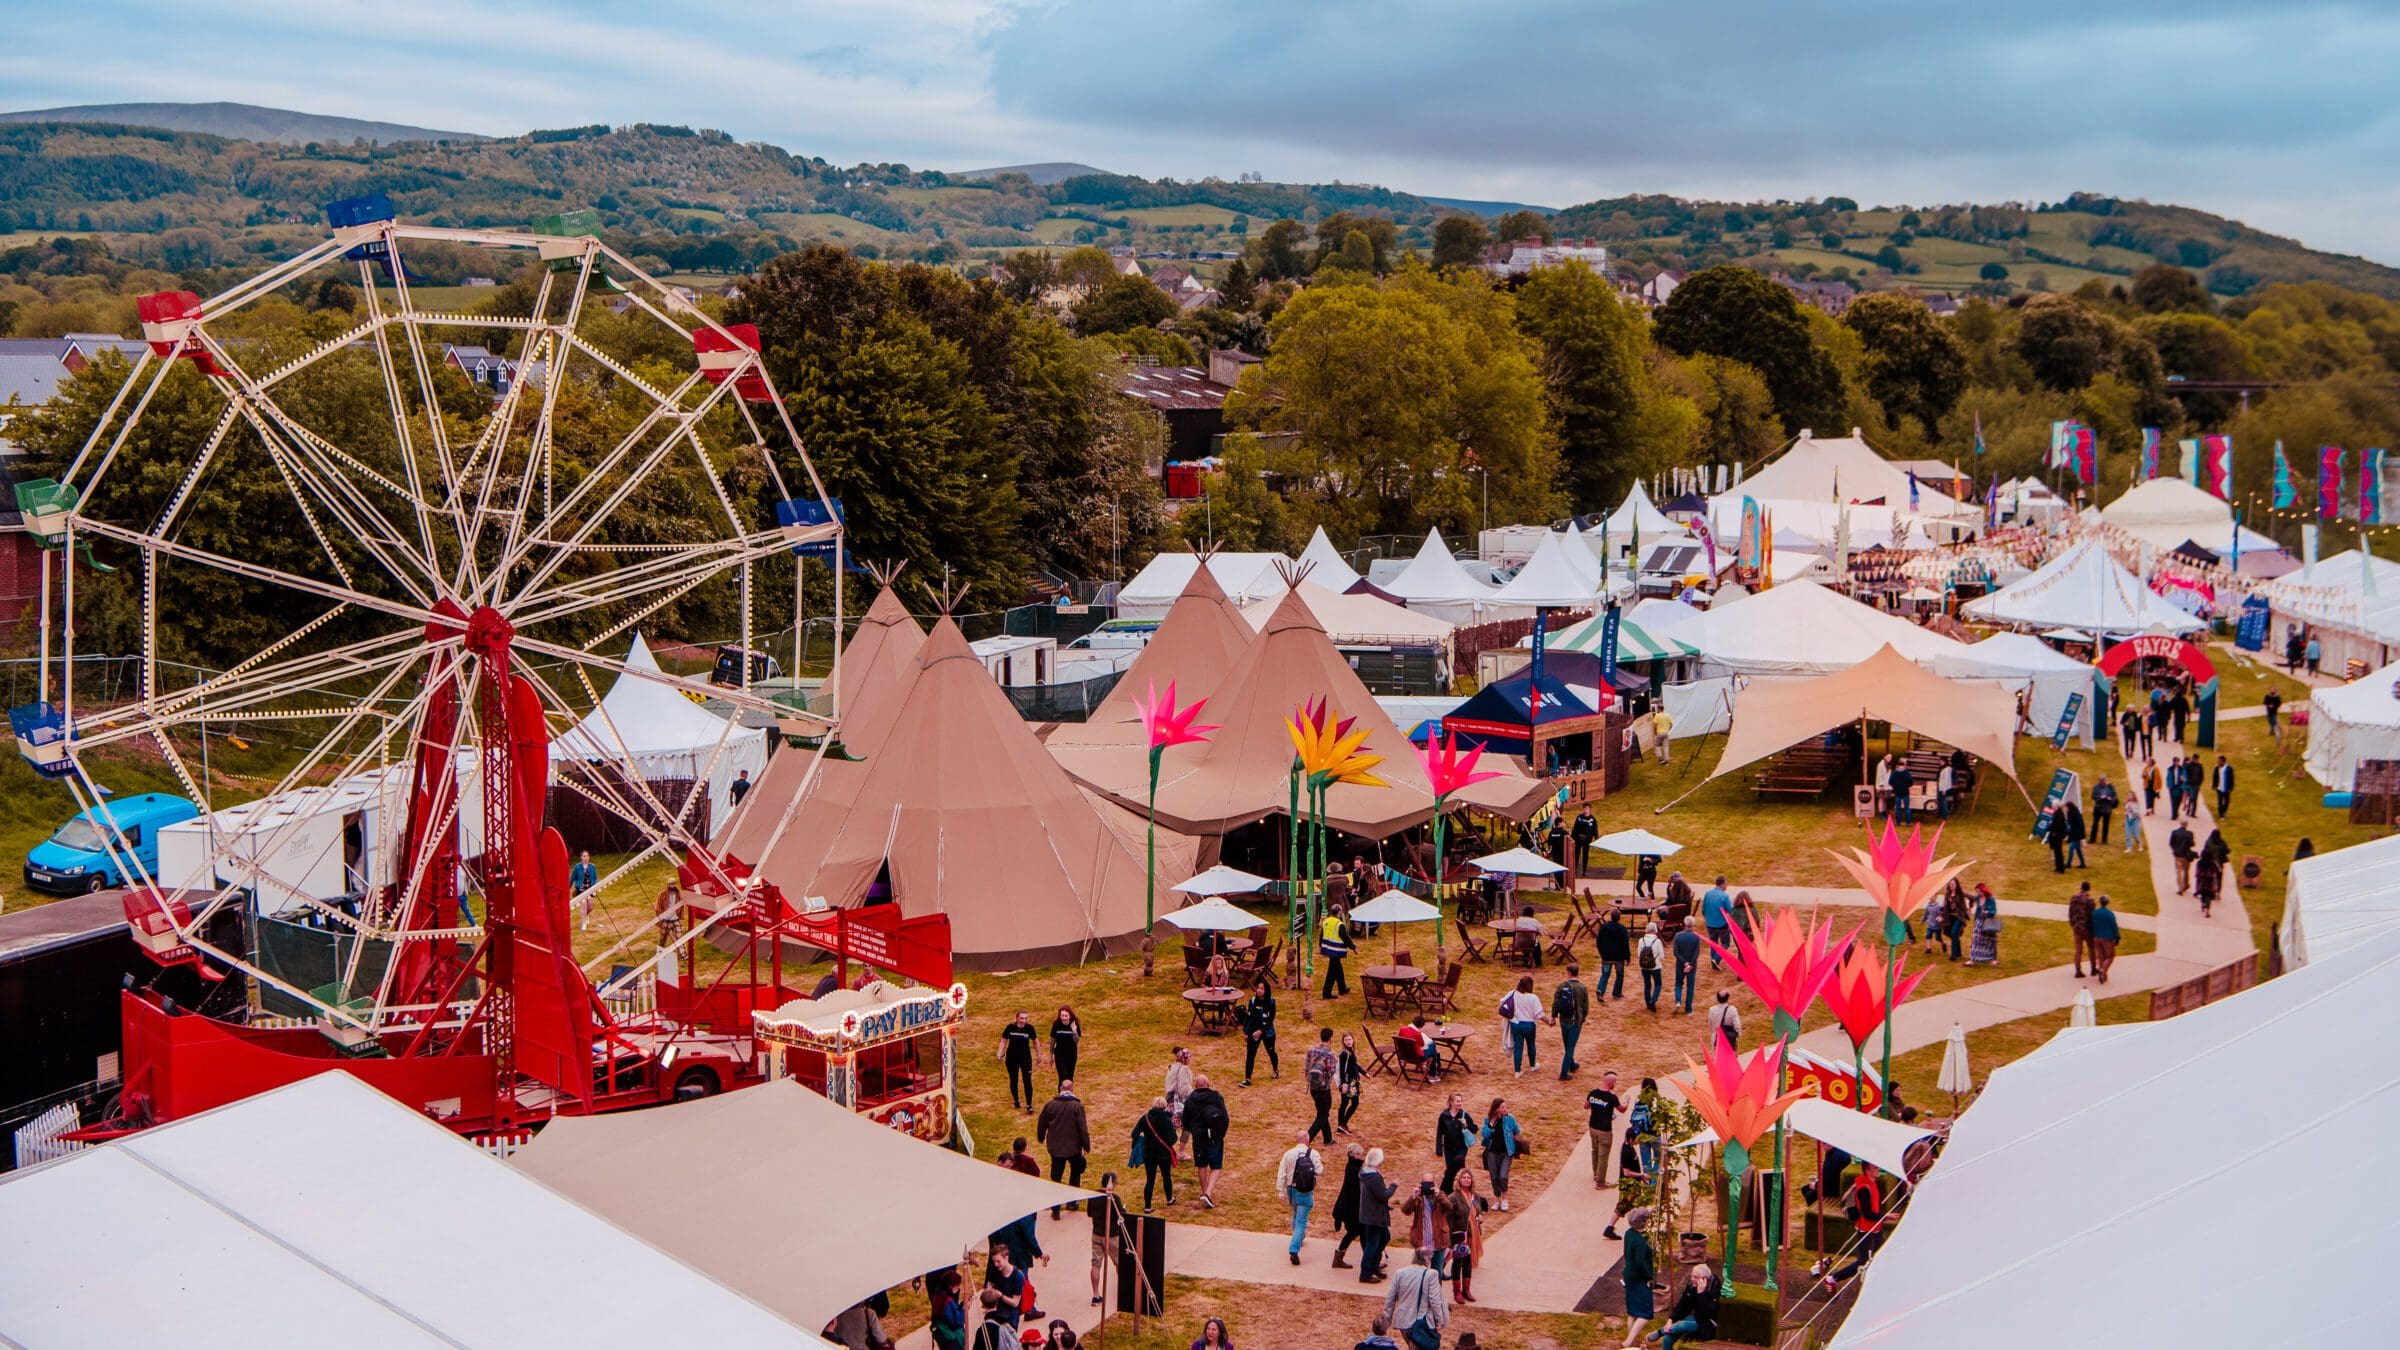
<point>1450,1042</point>
<point>1212,1010</point>
<point>1384,987</point>
<point>1504,940</point>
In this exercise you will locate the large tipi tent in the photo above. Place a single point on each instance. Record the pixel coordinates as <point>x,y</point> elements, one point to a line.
<point>2016,1237</point>
<point>645,727</point>
<point>1326,565</point>
<point>2029,666</point>
<point>1199,640</point>
<point>2082,588</point>
<point>1243,577</point>
<point>972,818</point>
<point>2351,722</point>
<point>1243,772</point>
<point>1435,584</point>
<point>1804,629</point>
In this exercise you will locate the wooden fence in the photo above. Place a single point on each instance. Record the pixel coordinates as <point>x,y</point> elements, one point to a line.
<point>2177,999</point>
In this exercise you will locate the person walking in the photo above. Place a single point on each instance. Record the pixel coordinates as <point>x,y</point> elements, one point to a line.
<point>2208,877</point>
<point>1205,1116</point>
<point>2105,936</point>
<point>1428,1219</point>
<point>2133,831</point>
<point>2075,831</point>
<point>1687,968</point>
<point>1986,948</point>
<point>1640,1272</point>
<point>1503,1143</point>
<point>1374,1218</point>
<point>1016,1052</point>
<point>1258,1030</point>
<point>1108,1234</point>
<point>1353,1082</point>
<point>2316,653</point>
<point>2079,923</point>
<point>2129,729</point>
<point>1724,1023</point>
<point>1321,1069</point>
<point>1662,729</point>
<point>2104,805</point>
<point>2292,645</point>
<point>2180,848</point>
<point>1345,1206</point>
<point>1651,956</point>
<point>1570,1004</point>
<point>1641,1129</point>
<point>2274,706</point>
<point>2054,833</point>
<point>1417,1303</point>
<point>1179,1086</point>
<point>1957,913</point>
<point>1587,829</point>
<point>1333,943</point>
<point>1463,1213</point>
<point>1645,876</point>
<point>1615,945</point>
<point>1904,784</point>
<point>1453,1131</point>
<point>1716,914</point>
<point>1694,1316</point>
<point>2150,785</point>
<point>1521,1009</point>
<point>1600,1106</point>
<point>1066,1043</point>
<point>739,787</point>
<point>1296,1176</point>
<point>581,878</point>
<point>2179,709</point>
<point>1154,1150</point>
<point>1066,1135</point>
<point>2222,781</point>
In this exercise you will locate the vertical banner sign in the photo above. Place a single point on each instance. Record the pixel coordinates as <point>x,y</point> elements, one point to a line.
<point>1991,505</point>
<point>2066,721</point>
<point>2284,494</point>
<point>2058,446</point>
<point>1608,650</point>
<point>2188,455</point>
<point>1533,696</point>
<point>2149,453</point>
<point>2218,453</point>
<point>1979,435</point>
<point>2370,487</point>
<point>2236,556</point>
<point>2087,455</point>
<point>2329,482</point>
<point>2250,634</point>
<point>2062,782</point>
<point>2308,553</point>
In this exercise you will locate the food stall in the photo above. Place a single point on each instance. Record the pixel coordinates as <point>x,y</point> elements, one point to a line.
<point>885,1051</point>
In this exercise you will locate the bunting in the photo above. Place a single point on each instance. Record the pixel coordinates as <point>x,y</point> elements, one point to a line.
<point>2284,493</point>
<point>2370,487</point>
<point>2149,453</point>
<point>2217,456</point>
<point>2329,482</point>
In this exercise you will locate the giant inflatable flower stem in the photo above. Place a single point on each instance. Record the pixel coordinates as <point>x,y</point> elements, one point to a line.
<point>1329,751</point>
<point>1861,996</point>
<point>1447,771</point>
<point>1166,725</point>
<point>1786,965</point>
<point>1899,877</point>
<point>1738,1102</point>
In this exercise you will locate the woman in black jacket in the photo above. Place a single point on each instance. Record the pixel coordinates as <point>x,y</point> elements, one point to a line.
<point>1066,1041</point>
<point>1351,1081</point>
<point>1453,1132</point>
<point>1258,1030</point>
<point>1154,1137</point>
<point>1695,1313</point>
<point>1345,1204</point>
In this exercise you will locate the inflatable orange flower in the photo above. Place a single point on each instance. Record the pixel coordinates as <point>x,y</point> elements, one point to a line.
<point>1855,996</point>
<point>1899,876</point>
<point>1737,1097</point>
<point>1786,964</point>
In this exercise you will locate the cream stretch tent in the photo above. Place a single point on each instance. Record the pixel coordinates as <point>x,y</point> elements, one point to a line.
<point>1805,629</point>
<point>2082,588</point>
<point>2335,901</point>
<point>833,1206</point>
<point>327,1214</point>
<point>2167,1150</point>
<point>647,726</point>
<point>973,819</point>
<point>1243,773</point>
<point>1199,640</point>
<point>2028,665</point>
<point>1769,715</point>
<point>1243,577</point>
<point>2352,722</point>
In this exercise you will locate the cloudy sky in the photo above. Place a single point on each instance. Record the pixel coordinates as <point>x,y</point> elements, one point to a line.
<point>2275,112</point>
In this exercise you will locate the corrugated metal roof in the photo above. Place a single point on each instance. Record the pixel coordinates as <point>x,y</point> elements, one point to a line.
<point>1172,388</point>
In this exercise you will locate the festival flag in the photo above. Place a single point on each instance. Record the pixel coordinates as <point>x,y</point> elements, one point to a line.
<point>2308,554</point>
<point>2087,455</point>
<point>2370,487</point>
<point>2366,564</point>
<point>2329,482</point>
<point>2284,493</point>
<point>2149,453</point>
<point>1912,491</point>
<point>1979,432</point>
<point>1991,505</point>
<point>2236,564</point>
<point>2058,446</point>
<point>2188,450</point>
<point>2217,455</point>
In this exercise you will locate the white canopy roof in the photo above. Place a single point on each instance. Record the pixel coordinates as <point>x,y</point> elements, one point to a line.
<point>2334,592</point>
<point>1435,584</point>
<point>2351,722</point>
<point>1360,620</point>
<point>2086,588</point>
<point>1802,628</point>
<point>1243,577</point>
<point>1216,914</point>
<point>1550,580</point>
<point>1327,567</point>
<point>326,1213</point>
<point>1636,510</point>
<point>1521,861</point>
<point>1635,843</point>
<point>1842,469</point>
<point>1669,619</point>
<point>1223,880</point>
<point>2335,901</point>
<point>645,720</point>
<point>1394,907</point>
<point>2024,1229</point>
<point>2166,511</point>
<point>2023,661</point>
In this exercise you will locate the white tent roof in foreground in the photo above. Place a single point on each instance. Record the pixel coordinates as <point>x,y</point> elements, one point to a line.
<point>1801,628</point>
<point>2085,588</point>
<point>325,1213</point>
<point>2351,722</point>
<point>2163,1153</point>
<point>2336,901</point>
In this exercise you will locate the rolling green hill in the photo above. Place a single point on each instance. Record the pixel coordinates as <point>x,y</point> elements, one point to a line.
<point>241,121</point>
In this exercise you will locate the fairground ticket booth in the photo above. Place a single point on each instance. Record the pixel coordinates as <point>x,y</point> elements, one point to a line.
<point>884,1051</point>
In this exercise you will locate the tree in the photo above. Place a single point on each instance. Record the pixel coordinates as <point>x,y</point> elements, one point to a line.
<point>2061,342</point>
<point>1087,267</point>
<point>1379,242</point>
<point>1089,475</point>
<point>2160,289</point>
<point>1890,259</point>
<point>1353,261</point>
<point>1277,250</point>
<point>1238,288</point>
<point>1993,271</point>
<point>1735,313</point>
<point>1522,225</point>
<point>1026,273</point>
<point>1616,422</point>
<point>1734,418</point>
<point>1123,303</point>
<point>1831,241</point>
<point>1459,241</point>
<point>1913,366</point>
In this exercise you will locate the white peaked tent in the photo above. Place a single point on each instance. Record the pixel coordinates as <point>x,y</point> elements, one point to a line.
<point>1359,620</point>
<point>1583,553</point>
<point>1435,584</point>
<point>326,1213</point>
<point>2166,511</point>
<point>1804,629</point>
<point>2351,722</point>
<point>1636,510</point>
<point>2026,664</point>
<point>1243,577</point>
<point>1326,565</point>
<point>2017,1238</point>
<point>1550,580</point>
<point>1842,469</point>
<point>2336,901</point>
<point>646,724</point>
<point>2082,588</point>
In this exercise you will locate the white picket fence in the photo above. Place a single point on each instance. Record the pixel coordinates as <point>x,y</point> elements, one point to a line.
<point>38,1140</point>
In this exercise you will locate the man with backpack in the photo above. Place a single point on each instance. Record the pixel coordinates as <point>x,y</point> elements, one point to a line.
<point>1296,1176</point>
<point>1650,956</point>
<point>1321,1067</point>
<point>1569,1006</point>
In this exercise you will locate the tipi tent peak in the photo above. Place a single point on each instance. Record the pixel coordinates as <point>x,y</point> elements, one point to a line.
<point>1199,640</point>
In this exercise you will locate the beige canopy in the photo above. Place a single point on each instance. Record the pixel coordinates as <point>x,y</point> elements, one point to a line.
<point>1195,645</point>
<point>1770,715</point>
<point>1243,773</point>
<point>973,818</point>
<point>832,1206</point>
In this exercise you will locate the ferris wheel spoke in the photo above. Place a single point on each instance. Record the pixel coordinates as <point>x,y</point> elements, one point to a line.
<point>109,416</point>
<point>261,572</point>
<point>237,699</point>
<point>401,429</point>
<point>436,431</point>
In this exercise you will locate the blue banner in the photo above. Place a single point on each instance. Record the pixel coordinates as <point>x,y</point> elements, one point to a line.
<point>1608,652</point>
<point>2062,782</point>
<point>1533,694</point>
<point>2250,633</point>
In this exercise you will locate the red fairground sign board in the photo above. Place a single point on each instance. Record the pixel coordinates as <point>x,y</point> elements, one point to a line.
<point>1836,1085</point>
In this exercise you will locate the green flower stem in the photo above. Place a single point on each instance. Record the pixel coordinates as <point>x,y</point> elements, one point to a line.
<point>1150,868</point>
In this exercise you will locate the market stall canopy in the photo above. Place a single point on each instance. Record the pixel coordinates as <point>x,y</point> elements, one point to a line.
<point>326,1213</point>
<point>1770,715</point>
<point>1500,716</point>
<point>2164,512</point>
<point>1860,1134</point>
<point>1199,640</point>
<point>1358,619</point>
<point>1841,469</point>
<point>2317,1074</point>
<point>1805,629</point>
<point>2025,662</point>
<point>1213,915</point>
<point>1326,565</point>
<point>1637,843</point>
<point>1522,862</point>
<point>2352,722</point>
<point>1394,907</point>
<point>645,724</point>
<point>1635,643</point>
<point>1435,584</point>
<point>2085,588</point>
<point>1223,880</point>
<point>2336,901</point>
<point>969,816</point>
<point>1243,577</point>
<point>834,1207</point>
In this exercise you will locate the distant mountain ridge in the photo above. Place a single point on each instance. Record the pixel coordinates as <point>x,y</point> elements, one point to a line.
<point>1041,175</point>
<point>241,121</point>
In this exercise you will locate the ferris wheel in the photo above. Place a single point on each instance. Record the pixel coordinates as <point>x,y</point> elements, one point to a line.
<point>468,579</point>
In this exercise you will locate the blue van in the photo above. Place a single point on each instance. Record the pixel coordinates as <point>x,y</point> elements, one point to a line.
<point>76,860</point>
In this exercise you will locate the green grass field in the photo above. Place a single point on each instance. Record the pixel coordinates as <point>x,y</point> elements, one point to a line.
<point>812,225</point>
<point>1057,229</point>
<point>1168,217</point>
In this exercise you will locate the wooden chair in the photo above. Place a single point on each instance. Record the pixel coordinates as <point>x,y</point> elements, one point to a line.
<point>1390,1061</point>
<point>1382,996</point>
<point>1195,967</point>
<point>1477,949</point>
<point>1403,957</point>
<point>1441,996</point>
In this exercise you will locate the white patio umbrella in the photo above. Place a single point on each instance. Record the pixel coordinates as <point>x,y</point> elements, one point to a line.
<point>1394,906</point>
<point>2083,1014</point>
<point>1223,880</point>
<point>1214,915</point>
<point>1637,843</point>
<point>1521,861</point>
<point>1956,1079</point>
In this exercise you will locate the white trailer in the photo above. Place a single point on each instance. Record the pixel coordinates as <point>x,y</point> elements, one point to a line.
<point>322,843</point>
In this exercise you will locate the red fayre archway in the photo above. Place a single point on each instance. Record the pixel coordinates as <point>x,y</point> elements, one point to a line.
<point>2188,655</point>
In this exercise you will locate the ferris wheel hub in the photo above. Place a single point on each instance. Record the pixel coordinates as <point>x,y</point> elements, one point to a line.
<point>489,632</point>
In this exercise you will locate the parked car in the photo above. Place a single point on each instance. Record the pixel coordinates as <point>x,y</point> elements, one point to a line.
<point>77,859</point>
